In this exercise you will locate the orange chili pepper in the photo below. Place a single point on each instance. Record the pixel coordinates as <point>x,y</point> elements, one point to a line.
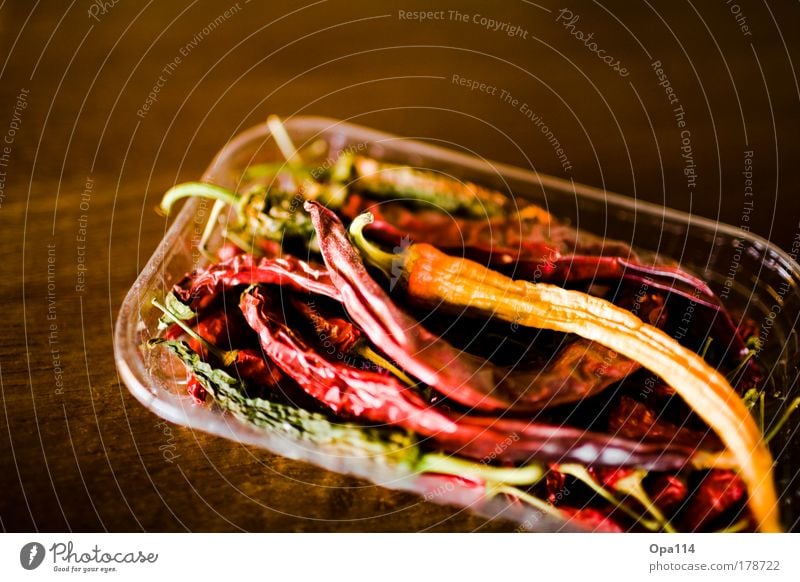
<point>433,279</point>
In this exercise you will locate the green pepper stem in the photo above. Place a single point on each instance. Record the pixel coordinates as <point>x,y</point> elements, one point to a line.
<point>734,374</point>
<point>531,500</point>
<point>226,357</point>
<point>783,419</point>
<point>581,474</point>
<point>374,255</point>
<point>284,142</point>
<point>736,527</point>
<point>366,352</point>
<point>200,190</point>
<point>632,485</point>
<point>706,345</point>
<point>439,463</point>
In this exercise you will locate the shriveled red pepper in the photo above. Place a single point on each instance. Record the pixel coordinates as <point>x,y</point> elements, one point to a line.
<point>195,389</point>
<point>633,419</point>
<point>527,245</point>
<point>220,328</point>
<point>432,278</point>
<point>224,336</point>
<point>339,333</point>
<point>380,398</point>
<point>245,269</point>
<point>534,246</point>
<point>581,369</point>
<point>718,492</point>
<point>668,492</point>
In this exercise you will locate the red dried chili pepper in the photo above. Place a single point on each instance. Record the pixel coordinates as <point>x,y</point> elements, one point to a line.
<point>583,368</point>
<point>532,248</point>
<point>196,390</point>
<point>380,398</point>
<point>340,333</point>
<point>525,246</point>
<point>245,269</point>
<point>555,486</point>
<point>592,519</point>
<point>219,328</point>
<point>718,492</point>
<point>668,492</point>
<point>608,476</point>
<point>633,419</point>
<point>251,367</point>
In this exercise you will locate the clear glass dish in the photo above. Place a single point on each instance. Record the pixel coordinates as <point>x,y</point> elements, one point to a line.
<point>764,287</point>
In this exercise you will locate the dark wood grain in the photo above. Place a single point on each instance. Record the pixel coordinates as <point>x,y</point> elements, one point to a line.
<point>88,456</point>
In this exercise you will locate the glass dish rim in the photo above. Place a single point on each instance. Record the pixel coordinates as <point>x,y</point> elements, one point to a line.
<point>132,368</point>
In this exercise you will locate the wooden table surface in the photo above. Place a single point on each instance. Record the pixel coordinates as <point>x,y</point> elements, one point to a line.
<point>85,155</point>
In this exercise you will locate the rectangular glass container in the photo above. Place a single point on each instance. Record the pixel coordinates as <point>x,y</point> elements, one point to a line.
<point>764,287</point>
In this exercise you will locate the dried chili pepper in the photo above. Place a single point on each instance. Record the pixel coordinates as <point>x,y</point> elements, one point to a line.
<point>633,419</point>
<point>718,492</point>
<point>581,369</point>
<point>245,269</point>
<point>379,398</point>
<point>433,278</point>
<point>534,246</point>
<point>339,333</point>
<point>196,390</point>
<point>527,245</point>
<point>668,492</point>
<point>439,190</point>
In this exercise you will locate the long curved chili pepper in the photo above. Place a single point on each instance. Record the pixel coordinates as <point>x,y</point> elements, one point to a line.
<point>339,333</point>
<point>245,269</point>
<point>532,245</point>
<point>525,245</point>
<point>379,398</point>
<point>581,369</point>
<point>437,189</point>
<point>433,278</point>
<point>469,380</point>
